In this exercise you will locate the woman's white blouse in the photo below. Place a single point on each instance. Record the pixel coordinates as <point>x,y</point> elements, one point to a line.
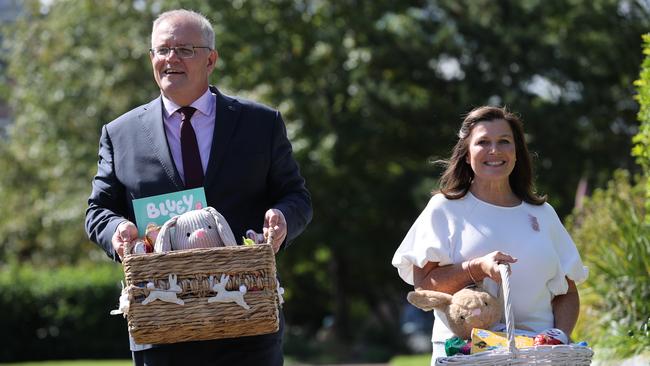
<point>453,231</point>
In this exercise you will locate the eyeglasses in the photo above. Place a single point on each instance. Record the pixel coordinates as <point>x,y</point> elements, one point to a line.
<point>181,51</point>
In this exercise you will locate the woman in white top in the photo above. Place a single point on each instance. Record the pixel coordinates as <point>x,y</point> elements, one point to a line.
<point>487,213</point>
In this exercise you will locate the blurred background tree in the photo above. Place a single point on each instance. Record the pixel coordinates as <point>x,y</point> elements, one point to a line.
<point>372,92</point>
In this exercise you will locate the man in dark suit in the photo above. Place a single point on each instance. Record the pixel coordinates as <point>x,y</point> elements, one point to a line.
<point>238,152</point>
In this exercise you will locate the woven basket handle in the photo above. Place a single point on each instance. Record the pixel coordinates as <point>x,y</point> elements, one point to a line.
<point>504,269</point>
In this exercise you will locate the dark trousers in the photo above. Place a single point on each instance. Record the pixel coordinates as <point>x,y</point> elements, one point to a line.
<point>263,350</point>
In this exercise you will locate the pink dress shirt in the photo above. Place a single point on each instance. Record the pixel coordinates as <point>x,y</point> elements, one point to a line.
<point>202,121</point>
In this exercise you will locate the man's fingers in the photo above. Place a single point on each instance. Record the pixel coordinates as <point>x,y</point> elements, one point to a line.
<point>127,231</point>
<point>120,251</point>
<point>273,220</point>
<point>125,235</point>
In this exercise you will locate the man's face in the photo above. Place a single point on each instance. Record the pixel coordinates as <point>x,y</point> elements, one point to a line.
<point>182,80</point>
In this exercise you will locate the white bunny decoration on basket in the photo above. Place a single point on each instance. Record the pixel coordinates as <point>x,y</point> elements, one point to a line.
<point>168,295</point>
<point>224,295</point>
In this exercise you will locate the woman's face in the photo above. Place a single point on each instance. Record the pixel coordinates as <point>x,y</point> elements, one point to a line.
<point>491,151</point>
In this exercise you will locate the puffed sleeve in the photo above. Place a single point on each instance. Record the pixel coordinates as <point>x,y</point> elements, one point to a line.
<point>569,262</point>
<point>428,240</point>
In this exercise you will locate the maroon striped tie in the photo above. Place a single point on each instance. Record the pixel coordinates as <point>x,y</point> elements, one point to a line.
<point>192,166</point>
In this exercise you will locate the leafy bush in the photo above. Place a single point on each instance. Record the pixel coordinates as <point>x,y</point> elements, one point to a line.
<point>614,242</point>
<point>60,313</point>
<point>642,139</point>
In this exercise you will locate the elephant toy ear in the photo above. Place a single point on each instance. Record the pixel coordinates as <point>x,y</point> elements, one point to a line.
<point>225,233</point>
<point>164,240</point>
<point>429,300</point>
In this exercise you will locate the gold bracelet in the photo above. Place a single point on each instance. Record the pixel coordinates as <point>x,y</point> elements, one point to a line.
<point>469,270</point>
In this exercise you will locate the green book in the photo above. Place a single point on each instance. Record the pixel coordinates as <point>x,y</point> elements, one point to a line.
<point>160,208</point>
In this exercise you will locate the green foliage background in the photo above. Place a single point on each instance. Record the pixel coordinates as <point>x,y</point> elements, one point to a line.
<point>62,312</point>
<point>614,241</point>
<point>372,91</point>
<point>642,139</point>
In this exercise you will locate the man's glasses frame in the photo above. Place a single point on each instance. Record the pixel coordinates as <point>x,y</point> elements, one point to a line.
<point>181,51</point>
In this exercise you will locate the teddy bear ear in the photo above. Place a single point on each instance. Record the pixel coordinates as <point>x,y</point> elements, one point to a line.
<point>429,300</point>
<point>164,241</point>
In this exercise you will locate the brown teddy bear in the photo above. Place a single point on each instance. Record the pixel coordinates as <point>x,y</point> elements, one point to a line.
<point>468,308</point>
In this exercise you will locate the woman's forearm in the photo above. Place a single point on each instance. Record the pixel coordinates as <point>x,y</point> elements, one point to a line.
<point>449,279</point>
<point>566,309</point>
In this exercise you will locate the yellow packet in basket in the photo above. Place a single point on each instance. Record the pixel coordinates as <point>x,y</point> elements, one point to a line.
<point>485,340</point>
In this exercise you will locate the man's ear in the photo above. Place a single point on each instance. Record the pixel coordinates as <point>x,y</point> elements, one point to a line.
<point>212,59</point>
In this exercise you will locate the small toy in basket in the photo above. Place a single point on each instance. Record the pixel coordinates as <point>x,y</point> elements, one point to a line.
<point>200,285</point>
<point>204,228</point>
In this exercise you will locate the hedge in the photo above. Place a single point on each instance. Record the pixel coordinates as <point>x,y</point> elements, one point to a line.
<point>61,313</point>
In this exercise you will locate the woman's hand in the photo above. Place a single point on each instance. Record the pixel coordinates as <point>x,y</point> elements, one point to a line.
<point>488,265</point>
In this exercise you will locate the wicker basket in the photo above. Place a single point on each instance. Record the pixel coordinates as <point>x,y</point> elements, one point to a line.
<point>198,319</point>
<point>569,355</point>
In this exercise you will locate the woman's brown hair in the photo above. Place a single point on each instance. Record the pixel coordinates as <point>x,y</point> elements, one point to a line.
<point>458,175</point>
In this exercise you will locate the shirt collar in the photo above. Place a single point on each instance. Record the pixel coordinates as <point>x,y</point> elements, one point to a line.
<point>205,104</point>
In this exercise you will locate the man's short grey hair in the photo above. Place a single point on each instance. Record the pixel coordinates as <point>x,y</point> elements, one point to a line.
<point>197,18</point>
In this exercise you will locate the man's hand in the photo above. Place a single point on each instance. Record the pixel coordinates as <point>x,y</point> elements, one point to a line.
<point>274,218</point>
<point>125,233</point>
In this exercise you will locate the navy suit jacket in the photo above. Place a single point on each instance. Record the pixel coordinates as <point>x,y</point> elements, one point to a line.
<point>251,169</point>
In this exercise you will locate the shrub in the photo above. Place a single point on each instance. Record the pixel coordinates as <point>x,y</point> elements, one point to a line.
<point>61,313</point>
<point>614,242</point>
<point>642,139</point>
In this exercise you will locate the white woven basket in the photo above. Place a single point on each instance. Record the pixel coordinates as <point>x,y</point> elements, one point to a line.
<point>569,355</point>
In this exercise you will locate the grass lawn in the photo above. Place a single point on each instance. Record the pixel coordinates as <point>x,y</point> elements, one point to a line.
<point>76,363</point>
<point>411,360</point>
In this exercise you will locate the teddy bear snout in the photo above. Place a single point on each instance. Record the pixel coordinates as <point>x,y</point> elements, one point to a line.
<point>476,312</point>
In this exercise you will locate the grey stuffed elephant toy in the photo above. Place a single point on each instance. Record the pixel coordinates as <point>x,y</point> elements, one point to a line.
<point>204,228</point>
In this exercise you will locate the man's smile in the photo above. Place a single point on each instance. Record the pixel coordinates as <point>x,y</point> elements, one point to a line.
<point>172,71</point>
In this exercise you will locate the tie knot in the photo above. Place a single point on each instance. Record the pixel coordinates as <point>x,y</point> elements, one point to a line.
<point>186,113</point>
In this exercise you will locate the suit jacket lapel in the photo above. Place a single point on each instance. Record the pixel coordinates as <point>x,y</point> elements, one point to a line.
<point>151,122</point>
<point>227,114</point>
